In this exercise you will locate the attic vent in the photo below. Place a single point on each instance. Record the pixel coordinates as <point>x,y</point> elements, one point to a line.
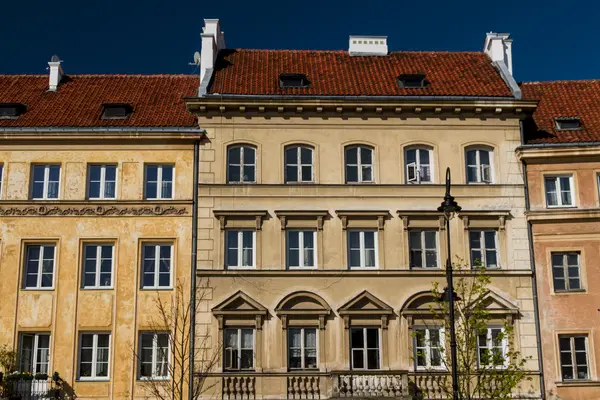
<point>116,111</point>
<point>11,110</point>
<point>412,81</point>
<point>293,80</point>
<point>568,124</point>
<point>368,46</point>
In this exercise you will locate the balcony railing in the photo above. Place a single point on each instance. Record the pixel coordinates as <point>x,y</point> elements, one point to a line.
<point>30,389</point>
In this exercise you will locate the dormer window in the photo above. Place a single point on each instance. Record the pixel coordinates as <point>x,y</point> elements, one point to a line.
<point>568,124</point>
<point>412,81</point>
<point>293,81</point>
<point>116,111</point>
<point>11,110</point>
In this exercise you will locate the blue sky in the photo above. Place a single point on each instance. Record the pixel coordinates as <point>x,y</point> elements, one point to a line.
<point>553,39</point>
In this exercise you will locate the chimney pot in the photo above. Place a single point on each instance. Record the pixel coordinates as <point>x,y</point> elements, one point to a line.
<point>498,46</point>
<point>56,73</point>
<point>213,40</point>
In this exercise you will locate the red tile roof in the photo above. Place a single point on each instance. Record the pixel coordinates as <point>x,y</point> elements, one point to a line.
<point>564,99</point>
<point>157,100</point>
<point>336,73</point>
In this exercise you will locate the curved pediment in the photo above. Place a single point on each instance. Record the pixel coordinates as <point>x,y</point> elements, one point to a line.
<point>365,303</point>
<point>303,302</point>
<point>241,304</point>
<point>420,303</point>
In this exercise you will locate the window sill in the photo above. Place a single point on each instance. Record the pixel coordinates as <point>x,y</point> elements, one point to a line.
<point>576,383</point>
<point>37,289</point>
<point>94,288</point>
<point>425,268</point>
<point>153,199</point>
<point>157,288</point>
<point>363,268</point>
<point>567,292</point>
<point>302,268</point>
<point>555,207</point>
<point>101,198</point>
<point>231,268</point>
<point>91,380</point>
<point>157,379</point>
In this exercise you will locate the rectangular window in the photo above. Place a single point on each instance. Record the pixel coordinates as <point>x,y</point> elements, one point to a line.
<point>239,349</point>
<point>574,357</point>
<point>423,249</point>
<point>492,347</point>
<point>429,347</point>
<point>34,352</point>
<point>102,182</point>
<point>559,191</point>
<point>46,179</point>
<point>565,272</point>
<point>154,355</point>
<point>159,182</point>
<point>97,266</point>
<point>240,249</point>
<point>157,266</point>
<point>301,249</point>
<point>302,348</point>
<point>362,249</point>
<point>484,248</point>
<point>94,351</point>
<point>39,266</point>
<point>364,348</point>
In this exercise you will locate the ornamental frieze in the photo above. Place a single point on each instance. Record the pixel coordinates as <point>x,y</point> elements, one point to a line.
<point>93,210</point>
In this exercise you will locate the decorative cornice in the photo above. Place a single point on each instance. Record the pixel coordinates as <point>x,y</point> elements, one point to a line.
<point>92,210</point>
<point>563,214</point>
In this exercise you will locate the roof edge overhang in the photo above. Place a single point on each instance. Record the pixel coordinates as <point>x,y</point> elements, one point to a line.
<point>105,133</point>
<point>541,152</point>
<point>361,106</point>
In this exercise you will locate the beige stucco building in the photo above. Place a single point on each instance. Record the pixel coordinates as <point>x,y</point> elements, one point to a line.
<point>95,223</point>
<point>561,157</point>
<point>318,236</point>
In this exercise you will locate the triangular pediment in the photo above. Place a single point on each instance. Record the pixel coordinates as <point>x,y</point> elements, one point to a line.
<point>496,304</point>
<point>240,302</point>
<point>365,303</point>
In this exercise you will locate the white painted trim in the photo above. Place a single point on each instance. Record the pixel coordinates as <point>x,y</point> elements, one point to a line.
<point>154,356</point>
<point>159,181</point>
<point>93,377</point>
<point>363,249</point>
<point>102,181</point>
<point>301,249</point>
<point>40,261</point>
<point>46,181</point>
<point>299,165</point>
<point>98,265</point>
<point>240,249</point>
<point>556,179</point>
<point>157,246</point>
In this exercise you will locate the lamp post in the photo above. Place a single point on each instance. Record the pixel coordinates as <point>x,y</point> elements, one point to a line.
<point>450,208</point>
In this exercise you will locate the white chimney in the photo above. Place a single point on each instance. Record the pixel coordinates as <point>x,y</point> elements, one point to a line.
<point>56,73</point>
<point>212,41</point>
<point>499,47</point>
<point>368,46</point>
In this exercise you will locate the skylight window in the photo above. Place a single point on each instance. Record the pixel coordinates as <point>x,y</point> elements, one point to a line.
<point>293,81</point>
<point>116,111</point>
<point>568,124</point>
<point>412,81</point>
<point>11,110</point>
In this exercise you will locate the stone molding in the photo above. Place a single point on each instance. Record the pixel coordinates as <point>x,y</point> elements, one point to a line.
<point>86,209</point>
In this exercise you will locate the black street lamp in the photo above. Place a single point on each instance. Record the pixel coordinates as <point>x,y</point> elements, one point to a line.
<point>450,208</point>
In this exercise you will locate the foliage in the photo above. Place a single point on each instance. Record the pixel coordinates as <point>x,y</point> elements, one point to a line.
<point>482,373</point>
<point>8,359</point>
<point>174,316</point>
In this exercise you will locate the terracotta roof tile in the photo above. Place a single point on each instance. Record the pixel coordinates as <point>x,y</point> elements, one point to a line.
<point>336,73</point>
<point>157,100</point>
<point>564,99</point>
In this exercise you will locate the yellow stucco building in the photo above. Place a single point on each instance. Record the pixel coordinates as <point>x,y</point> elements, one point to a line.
<point>95,222</point>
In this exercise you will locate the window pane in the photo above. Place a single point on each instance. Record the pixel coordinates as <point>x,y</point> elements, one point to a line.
<point>247,339</point>
<point>366,156</point>
<point>166,190</point>
<point>484,157</point>
<point>306,155</point>
<point>231,338</point>
<point>167,173</point>
<point>308,237</point>
<point>567,372</point>
<point>370,258</point>
<point>291,155</point>
<point>291,173</point>
<point>372,338</point>
<point>430,259</point>
<point>54,173</point>
<point>414,238</point>
<point>355,258</point>
<point>430,242</point>
<point>151,190</point>
<point>472,174</point>
<point>351,174</point>
<point>247,359</point>
<point>369,240</point>
<point>574,284</point>
<point>472,157</point>
<point>234,155</point>
<point>564,344</point>
<point>234,173</point>
<point>307,174</point>
<point>372,359</point>
<point>415,259</point>
<point>579,343</point>
<point>358,359</point>
<point>94,190</point>
<point>557,259</point>
<point>38,190</point>
<point>249,154</point>
<point>551,197</point>
<point>490,259</point>
<point>357,339</point>
<point>475,239</point>
<point>152,173</point>
<point>351,156</point>
<point>38,173</point>
<point>367,174</point>
<point>559,284</point>
<point>249,173</point>
<point>354,239</point>
<point>490,240</point>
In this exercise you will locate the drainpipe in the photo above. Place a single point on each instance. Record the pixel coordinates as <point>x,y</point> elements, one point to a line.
<point>194,263</point>
<point>536,310</point>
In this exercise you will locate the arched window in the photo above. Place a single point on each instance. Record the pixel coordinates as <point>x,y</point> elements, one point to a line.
<point>479,164</point>
<point>241,164</point>
<point>418,162</point>
<point>359,164</point>
<point>299,164</point>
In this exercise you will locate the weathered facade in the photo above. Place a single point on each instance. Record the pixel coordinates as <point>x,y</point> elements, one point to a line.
<point>561,157</point>
<point>319,181</point>
<point>97,181</point>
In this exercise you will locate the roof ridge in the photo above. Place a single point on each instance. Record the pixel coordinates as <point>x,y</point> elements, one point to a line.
<point>346,51</point>
<point>562,81</point>
<point>103,75</point>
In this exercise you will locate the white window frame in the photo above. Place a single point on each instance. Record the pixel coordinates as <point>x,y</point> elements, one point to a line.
<point>481,168</point>
<point>417,167</point>
<point>102,167</point>
<point>98,264</point>
<point>483,249</point>
<point>365,349</point>
<point>46,181</point>
<point>36,338</point>
<point>93,376</point>
<point>154,356</point>
<point>427,349</point>
<point>363,248</point>
<point>40,260</point>
<point>359,164</point>
<point>490,346</point>
<point>157,247</point>
<point>573,352</point>
<point>240,249</point>
<point>159,181</point>
<point>301,248</point>
<point>423,248</point>
<point>241,164</point>
<point>559,190</point>
<point>303,348</point>
<point>299,165</point>
<point>228,351</point>
<point>565,268</point>
<point>1,179</point>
